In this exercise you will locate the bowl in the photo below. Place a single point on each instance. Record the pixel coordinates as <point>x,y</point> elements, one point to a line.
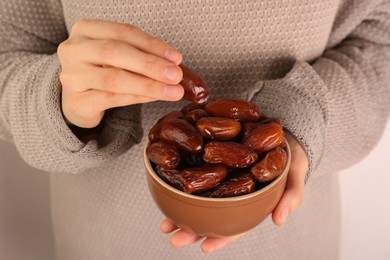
<point>215,217</point>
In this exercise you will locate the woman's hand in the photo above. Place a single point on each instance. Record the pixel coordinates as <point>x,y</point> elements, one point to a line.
<point>291,200</point>
<point>107,64</point>
<point>182,238</point>
<point>293,194</point>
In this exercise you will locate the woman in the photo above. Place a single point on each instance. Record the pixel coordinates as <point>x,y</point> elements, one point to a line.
<point>72,68</point>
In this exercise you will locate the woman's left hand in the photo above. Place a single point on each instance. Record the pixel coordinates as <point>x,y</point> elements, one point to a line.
<point>291,200</point>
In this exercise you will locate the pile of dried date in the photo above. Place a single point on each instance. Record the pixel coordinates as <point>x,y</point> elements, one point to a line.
<point>220,148</point>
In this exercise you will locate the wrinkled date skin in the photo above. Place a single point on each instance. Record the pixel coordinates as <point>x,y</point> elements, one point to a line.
<point>231,187</point>
<point>154,132</point>
<point>170,176</point>
<point>194,180</point>
<point>191,159</point>
<point>265,137</point>
<point>182,134</point>
<point>189,107</point>
<point>247,127</point>
<point>164,154</point>
<point>194,115</point>
<point>239,109</point>
<point>195,90</point>
<point>233,155</point>
<point>218,128</point>
<point>271,166</point>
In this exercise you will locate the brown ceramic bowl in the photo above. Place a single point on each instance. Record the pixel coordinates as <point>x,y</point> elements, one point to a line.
<point>215,217</point>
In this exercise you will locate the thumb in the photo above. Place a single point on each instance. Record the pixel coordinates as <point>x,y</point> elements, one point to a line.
<point>293,195</point>
<point>291,200</point>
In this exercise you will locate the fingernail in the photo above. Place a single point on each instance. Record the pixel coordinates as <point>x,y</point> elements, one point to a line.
<point>283,216</point>
<point>173,56</point>
<point>172,73</point>
<point>173,92</point>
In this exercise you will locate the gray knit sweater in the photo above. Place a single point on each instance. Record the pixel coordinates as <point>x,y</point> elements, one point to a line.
<point>322,67</point>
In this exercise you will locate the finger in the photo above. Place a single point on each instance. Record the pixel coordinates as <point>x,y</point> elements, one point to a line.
<point>86,109</point>
<point>99,29</point>
<point>96,100</point>
<point>122,82</point>
<point>167,226</point>
<point>210,245</point>
<point>182,238</point>
<point>291,200</point>
<point>122,55</point>
<point>294,192</point>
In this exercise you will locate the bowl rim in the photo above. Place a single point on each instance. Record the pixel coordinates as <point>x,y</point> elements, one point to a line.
<point>258,194</point>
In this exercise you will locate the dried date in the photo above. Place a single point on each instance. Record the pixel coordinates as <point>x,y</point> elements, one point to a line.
<point>195,90</point>
<point>154,132</point>
<point>164,154</point>
<point>182,134</point>
<point>231,154</point>
<point>218,128</point>
<point>189,107</point>
<point>265,137</point>
<point>247,127</point>
<point>170,176</point>
<point>194,180</point>
<point>191,159</point>
<point>271,166</point>
<point>232,187</point>
<point>233,108</point>
<point>194,115</point>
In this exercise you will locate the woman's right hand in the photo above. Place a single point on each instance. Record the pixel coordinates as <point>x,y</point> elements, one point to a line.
<point>107,64</point>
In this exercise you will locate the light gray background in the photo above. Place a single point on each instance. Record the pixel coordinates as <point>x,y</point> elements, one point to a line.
<point>365,190</point>
<point>25,232</point>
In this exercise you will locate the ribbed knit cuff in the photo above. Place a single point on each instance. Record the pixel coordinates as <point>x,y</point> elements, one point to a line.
<point>298,101</point>
<point>121,129</point>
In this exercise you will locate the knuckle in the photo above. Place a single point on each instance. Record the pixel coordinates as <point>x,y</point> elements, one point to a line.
<point>78,26</point>
<point>63,50</point>
<point>66,50</point>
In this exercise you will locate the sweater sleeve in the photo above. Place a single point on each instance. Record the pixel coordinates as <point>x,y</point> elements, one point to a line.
<point>30,94</point>
<point>338,105</point>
